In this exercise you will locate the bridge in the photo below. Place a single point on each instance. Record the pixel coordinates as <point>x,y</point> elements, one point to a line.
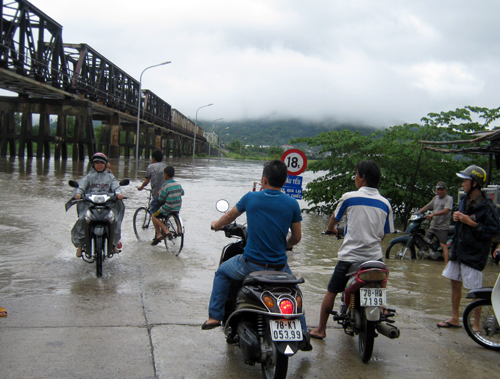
<point>76,85</point>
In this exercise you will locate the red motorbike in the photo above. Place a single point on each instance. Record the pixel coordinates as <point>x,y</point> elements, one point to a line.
<point>363,309</point>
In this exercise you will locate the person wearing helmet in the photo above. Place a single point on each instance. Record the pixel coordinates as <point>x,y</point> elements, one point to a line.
<point>98,179</point>
<point>476,222</point>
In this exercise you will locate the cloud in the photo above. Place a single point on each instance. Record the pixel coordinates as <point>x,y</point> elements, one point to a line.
<point>373,62</point>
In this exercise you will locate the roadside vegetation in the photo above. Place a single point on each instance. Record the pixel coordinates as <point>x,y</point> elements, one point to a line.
<point>398,152</point>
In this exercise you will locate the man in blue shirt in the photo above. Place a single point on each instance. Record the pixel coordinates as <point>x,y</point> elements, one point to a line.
<point>270,214</point>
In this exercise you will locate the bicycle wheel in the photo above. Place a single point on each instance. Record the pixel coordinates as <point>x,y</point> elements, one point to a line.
<point>481,324</point>
<point>173,223</point>
<point>143,226</point>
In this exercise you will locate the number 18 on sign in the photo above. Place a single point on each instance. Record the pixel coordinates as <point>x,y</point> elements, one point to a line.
<point>296,163</point>
<point>295,160</point>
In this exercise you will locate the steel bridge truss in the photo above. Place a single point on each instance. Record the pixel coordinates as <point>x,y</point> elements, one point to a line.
<point>35,63</point>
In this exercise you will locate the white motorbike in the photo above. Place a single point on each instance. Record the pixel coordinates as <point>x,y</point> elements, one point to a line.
<point>481,317</point>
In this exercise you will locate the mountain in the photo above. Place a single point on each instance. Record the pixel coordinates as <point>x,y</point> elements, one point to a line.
<point>276,132</point>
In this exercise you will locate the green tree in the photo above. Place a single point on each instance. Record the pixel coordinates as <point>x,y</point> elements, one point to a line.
<point>398,152</point>
<point>275,152</point>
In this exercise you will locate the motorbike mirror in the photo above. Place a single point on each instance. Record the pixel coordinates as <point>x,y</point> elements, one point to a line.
<point>222,206</point>
<point>73,183</point>
<point>125,182</point>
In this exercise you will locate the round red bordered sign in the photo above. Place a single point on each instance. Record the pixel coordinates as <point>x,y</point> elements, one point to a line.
<point>295,160</point>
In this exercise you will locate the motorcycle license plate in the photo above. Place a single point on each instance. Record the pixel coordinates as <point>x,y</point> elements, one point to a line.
<point>373,297</point>
<point>286,330</point>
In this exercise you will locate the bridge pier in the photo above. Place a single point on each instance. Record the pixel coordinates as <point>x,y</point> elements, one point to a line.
<point>16,125</point>
<point>73,133</point>
<point>114,146</point>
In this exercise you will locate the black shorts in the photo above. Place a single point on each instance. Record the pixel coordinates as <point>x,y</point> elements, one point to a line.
<point>339,278</point>
<point>441,235</point>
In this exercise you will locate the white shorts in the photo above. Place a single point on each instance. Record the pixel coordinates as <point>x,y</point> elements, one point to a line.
<point>470,277</point>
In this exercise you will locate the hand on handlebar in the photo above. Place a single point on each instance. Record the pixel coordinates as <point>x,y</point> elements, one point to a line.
<point>331,233</point>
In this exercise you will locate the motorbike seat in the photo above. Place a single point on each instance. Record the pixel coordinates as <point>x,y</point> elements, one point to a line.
<point>365,266</point>
<point>271,277</point>
<point>480,293</point>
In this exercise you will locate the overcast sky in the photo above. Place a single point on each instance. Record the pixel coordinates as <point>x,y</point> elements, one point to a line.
<point>376,62</point>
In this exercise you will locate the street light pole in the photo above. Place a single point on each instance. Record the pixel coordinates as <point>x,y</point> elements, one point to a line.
<point>139,97</point>
<point>220,145</point>
<point>213,130</point>
<point>196,128</point>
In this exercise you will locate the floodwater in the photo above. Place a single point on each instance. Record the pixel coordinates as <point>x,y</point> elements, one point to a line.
<point>34,226</point>
<point>149,301</point>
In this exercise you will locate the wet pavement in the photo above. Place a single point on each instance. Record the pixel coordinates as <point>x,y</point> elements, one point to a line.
<point>142,319</point>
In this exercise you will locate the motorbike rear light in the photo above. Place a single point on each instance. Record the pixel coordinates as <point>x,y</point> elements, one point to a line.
<point>268,301</point>
<point>286,307</point>
<point>373,275</point>
<point>298,299</point>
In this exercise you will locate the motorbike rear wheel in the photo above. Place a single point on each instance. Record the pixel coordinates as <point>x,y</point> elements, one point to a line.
<point>400,251</point>
<point>366,338</point>
<point>275,371</point>
<point>98,255</point>
<point>488,333</point>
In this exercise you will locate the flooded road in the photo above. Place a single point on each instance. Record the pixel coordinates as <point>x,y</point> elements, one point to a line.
<point>147,298</point>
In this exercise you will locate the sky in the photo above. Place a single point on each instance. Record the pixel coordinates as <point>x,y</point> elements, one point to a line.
<point>377,63</point>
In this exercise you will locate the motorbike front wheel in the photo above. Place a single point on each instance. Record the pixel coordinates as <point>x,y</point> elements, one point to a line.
<point>481,324</point>
<point>400,251</point>
<point>366,338</point>
<point>98,255</point>
<point>275,367</point>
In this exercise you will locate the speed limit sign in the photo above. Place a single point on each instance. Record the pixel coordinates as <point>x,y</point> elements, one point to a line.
<point>295,160</point>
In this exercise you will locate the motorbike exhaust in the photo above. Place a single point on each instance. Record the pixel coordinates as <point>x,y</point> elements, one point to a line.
<point>387,330</point>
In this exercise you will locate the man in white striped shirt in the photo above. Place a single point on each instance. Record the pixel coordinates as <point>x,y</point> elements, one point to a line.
<point>369,219</point>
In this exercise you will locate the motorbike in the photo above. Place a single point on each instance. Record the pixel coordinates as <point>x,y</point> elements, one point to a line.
<point>98,226</point>
<point>363,309</point>
<point>481,317</point>
<point>261,312</point>
<point>414,244</point>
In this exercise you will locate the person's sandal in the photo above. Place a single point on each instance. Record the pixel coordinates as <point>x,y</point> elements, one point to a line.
<point>167,235</point>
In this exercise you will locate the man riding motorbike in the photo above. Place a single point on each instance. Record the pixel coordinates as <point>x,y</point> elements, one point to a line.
<point>270,214</point>
<point>97,180</point>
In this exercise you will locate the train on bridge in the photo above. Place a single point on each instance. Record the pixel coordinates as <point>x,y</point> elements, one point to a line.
<point>77,86</point>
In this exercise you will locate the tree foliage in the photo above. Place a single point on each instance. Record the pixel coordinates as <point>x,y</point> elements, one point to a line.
<point>397,151</point>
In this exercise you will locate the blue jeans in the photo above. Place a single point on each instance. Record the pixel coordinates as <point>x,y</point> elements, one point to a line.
<point>235,268</point>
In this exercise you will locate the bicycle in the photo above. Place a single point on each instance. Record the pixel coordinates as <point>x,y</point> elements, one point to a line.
<point>144,229</point>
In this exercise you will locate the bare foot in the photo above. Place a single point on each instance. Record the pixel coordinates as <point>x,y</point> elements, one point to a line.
<point>314,333</point>
<point>79,251</point>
